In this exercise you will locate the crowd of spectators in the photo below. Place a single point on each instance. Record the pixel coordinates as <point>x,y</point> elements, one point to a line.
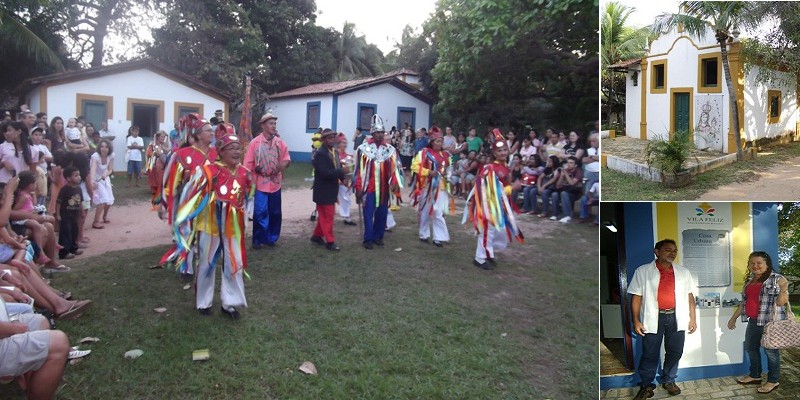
<point>556,170</point>
<point>41,160</point>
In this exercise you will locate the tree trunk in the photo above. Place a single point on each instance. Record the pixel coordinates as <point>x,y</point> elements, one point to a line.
<point>732,96</point>
<point>101,31</point>
<point>610,101</point>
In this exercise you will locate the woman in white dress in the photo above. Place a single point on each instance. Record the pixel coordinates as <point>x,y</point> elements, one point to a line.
<point>100,177</point>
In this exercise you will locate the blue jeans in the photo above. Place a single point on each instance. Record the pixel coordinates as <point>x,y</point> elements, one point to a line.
<point>267,217</point>
<point>374,218</point>
<point>529,199</point>
<point>651,349</point>
<point>586,205</point>
<point>752,345</point>
<point>546,201</point>
<point>565,200</point>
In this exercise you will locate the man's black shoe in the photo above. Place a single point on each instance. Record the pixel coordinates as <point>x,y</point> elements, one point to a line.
<point>437,243</point>
<point>672,388</point>
<point>318,240</point>
<point>379,242</point>
<point>204,311</point>
<point>426,241</point>
<point>483,265</point>
<point>492,261</point>
<point>645,392</point>
<point>368,245</point>
<point>332,247</point>
<point>233,313</point>
<point>351,223</point>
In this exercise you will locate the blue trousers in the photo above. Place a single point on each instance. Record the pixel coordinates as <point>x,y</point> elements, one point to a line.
<point>752,345</point>
<point>374,219</point>
<point>651,349</point>
<point>266,217</point>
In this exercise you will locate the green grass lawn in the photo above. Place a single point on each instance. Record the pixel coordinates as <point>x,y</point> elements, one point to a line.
<point>382,324</point>
<point>617,186</point>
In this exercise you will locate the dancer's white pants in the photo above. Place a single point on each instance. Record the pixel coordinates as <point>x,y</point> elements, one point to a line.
<point>232,286</point>
<point>344,202</point>
<point>496,241</point>
<point>435,220</point>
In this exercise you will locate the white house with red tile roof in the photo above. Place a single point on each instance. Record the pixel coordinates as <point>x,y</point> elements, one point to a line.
<point>143,92</point>
<point>343,106</point>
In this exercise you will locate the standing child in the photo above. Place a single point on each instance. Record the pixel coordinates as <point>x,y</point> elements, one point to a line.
<point>101,170</point>
<point>343,198</point>
<point>134,156</point>
<point>489,208</point>
<point>68,210</point>
<point>45,157</point>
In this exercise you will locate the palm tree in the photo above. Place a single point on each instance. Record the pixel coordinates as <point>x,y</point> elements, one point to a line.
<point>16,35</point>
<point>725,18</point>
<point>618,42</point>
<point>355,57</point>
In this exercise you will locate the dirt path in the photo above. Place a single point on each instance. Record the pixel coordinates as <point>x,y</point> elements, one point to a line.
<point>779,183</point>
<point>135,226</point>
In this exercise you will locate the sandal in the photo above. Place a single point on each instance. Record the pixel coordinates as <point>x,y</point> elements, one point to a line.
<point>75,311</point>
<point>76,353</point>
<point>59,268</point>
<point>97,225</point>
<point>768,387</point>
<point>106,221</point>
<point>748,380</point>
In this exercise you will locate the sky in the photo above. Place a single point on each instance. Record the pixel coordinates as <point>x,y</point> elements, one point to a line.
<point>381,21</point>
<point>646,11</point>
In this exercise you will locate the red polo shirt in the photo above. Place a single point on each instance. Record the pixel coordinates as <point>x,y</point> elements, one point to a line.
<point>666,287</point>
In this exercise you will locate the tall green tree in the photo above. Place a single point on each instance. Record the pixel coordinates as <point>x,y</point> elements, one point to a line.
<point>30,43</point>
<point>91,22</point>
<point>355,57</point>
<point>618,42</point>
<point>722,18</point>
<point>213,41</point>
<point>17,34</point>
<point>417,52</point>
<point>517,62</point>
<point>789,240</point>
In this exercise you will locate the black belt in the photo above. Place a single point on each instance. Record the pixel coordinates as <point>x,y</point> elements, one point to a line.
<point>667,311</point>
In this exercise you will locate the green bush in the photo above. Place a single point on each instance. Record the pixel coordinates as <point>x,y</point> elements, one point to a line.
<point>669,155</point>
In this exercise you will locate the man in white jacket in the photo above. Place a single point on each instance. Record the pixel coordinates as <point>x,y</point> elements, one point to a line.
<point>663,308</point>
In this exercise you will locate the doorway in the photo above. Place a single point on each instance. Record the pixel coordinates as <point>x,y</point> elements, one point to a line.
<point>146,117</point>
<point>681,112</point>
<point>616,346</point>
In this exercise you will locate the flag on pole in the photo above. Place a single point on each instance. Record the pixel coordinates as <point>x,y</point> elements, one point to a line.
<point>245,134</point>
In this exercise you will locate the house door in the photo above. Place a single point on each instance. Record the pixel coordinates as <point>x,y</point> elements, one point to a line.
<point>146,117</point>
<point>681,112</point>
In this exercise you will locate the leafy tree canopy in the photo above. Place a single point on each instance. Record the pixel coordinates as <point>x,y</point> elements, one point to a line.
<point>517,62</point>
<point>789,239</point>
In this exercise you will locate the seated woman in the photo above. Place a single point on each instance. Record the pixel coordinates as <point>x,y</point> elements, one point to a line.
<point>27,221</point>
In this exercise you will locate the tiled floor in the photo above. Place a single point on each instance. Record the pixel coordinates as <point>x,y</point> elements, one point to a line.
<point>726,387</point>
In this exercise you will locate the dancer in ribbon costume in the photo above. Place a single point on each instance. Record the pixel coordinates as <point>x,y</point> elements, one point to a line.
<point>431,190</point>
<point>214,200</point>
<point>489,207</point>
<point>377,178</point>
<point>179,169</point>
